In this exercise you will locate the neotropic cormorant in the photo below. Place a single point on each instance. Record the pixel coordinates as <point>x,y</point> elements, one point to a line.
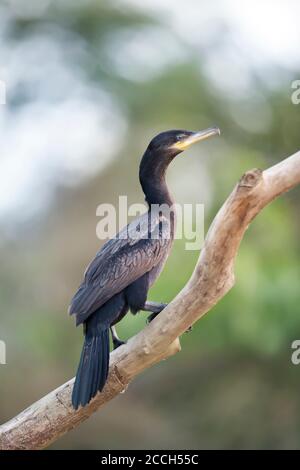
<point>119,277</point>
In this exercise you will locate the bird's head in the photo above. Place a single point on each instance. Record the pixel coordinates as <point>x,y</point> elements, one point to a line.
<point>160,152</point>
<point>173,142</point>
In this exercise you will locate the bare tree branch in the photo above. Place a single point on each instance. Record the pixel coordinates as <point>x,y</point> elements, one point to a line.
<point>52,416</point>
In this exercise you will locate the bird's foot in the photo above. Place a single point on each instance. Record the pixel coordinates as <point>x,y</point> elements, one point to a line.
<point>155,308</point>
<point>152,316</point>
<point>118,342</point>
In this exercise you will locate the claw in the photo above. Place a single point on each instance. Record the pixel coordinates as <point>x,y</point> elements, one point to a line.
<point>118,343</point>
<point>151,317</point>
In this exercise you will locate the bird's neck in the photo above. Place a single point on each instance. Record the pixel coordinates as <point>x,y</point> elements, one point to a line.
<point>153,179</point>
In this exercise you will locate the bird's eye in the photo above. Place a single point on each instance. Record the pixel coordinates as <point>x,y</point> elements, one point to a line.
<point>180,136</point>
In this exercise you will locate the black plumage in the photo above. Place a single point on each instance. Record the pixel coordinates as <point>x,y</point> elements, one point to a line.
<point>119,277</point>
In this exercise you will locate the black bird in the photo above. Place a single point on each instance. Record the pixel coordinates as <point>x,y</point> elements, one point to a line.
<point>119,277</point>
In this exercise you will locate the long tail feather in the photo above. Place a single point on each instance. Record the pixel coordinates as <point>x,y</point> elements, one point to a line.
<point>93,368</point>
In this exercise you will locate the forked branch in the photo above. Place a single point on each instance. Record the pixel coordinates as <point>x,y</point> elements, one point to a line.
<point>52,416</point>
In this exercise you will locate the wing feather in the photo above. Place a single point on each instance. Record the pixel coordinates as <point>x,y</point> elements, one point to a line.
<point>137,249</point>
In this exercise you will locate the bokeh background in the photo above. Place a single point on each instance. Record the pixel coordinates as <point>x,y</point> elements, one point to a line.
<point>89,83</point>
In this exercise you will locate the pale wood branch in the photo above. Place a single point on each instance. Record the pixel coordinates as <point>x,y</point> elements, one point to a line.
<point>52,416</point>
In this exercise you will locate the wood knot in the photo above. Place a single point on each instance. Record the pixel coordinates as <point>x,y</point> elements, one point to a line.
<point>251,178</point>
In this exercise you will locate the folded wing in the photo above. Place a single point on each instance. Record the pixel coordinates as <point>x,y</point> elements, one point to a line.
<point>136,250</point>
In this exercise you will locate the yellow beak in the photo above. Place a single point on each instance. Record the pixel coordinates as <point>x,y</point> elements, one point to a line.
<point>196,137</point>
